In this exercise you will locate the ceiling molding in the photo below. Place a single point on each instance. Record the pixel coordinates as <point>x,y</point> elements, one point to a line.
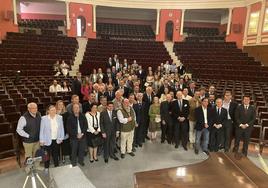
<point>164,4</point>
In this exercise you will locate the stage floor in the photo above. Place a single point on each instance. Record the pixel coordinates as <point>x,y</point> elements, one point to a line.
<point>219,170</point>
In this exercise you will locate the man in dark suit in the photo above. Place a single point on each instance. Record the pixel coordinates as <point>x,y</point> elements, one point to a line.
<point>86,106</point>
<point>181,69</point>
<point>123,87</point>
<point>76,85</point>
<point>166,124</point>
<point>148,100</point>
<point>191,88</point>
<point>219,122</point>
<point>110,94</point>
<point>110,63</point>
<point>139,109</point>
<point>245,116</point>
<point>229,127</point>
<point>180,113</point>
<point>77,127</point>
<point>204,121</point>
<point>110,131</point>
<point>141,74</point>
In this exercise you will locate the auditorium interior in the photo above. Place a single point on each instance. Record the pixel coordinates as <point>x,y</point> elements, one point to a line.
<point>220,43</point>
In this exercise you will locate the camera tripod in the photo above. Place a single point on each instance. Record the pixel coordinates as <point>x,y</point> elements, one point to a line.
<point>32,174</point>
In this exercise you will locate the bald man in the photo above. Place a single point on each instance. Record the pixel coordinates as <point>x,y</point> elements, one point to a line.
<point>28,128</point>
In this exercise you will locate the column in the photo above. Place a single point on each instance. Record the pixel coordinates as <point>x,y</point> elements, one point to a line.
<point>94,18</point>
<point>68,24</point>
<point>15,12</point>
<point>157,22</point>
<point>246,26</point>
<point>261,20</point>
<point>182,21</point>
<point>229,21</point>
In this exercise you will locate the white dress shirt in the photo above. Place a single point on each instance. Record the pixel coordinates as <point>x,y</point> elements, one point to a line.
<point>205,113</point>
<point>54,127</point>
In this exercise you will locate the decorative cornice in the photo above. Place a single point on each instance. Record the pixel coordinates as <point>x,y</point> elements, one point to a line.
<point>167,4</point>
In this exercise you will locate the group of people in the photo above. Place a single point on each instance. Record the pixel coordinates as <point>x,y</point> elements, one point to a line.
<point>124,106</point>
<point>61,68</point>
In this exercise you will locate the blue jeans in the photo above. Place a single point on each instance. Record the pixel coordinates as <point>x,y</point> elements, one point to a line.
<point>205,133</point>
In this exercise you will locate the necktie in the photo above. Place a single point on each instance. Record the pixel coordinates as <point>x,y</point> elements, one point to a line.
<point>180,104</point>
<point>219,112</point>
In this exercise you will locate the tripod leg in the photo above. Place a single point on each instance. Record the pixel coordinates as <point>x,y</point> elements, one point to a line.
<point>41,181</point>
<point>33,182</point>
<point>25,182</point>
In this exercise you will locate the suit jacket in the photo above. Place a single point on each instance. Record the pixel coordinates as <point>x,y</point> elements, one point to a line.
<point>165,111</point>
<point>106,125</point>
<point>190,92</point>
<point>72,125</point>
<point>86,106</point>
<point>232,109</point>
<point>176,112</point>
<point>76,87</point>
<point>219,119</point>
<point>140,112</point>
<point>181,70</point>
<point>200,120</point>
<point>141,75</point>
<point>110,64</point>
<point>110,97</point>
<point>45,130</point>
<point>148,103</point>
<point>245,117</point>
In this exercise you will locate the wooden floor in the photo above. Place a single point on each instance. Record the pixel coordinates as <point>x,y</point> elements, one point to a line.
<point>220,170</point>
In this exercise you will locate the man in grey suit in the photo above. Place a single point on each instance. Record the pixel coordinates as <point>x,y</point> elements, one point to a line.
<point>110,130</point>
<point>245,116</point>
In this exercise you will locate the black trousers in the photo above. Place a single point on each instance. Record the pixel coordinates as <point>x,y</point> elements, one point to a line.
<point>54,151</point>
<point>181,132</point>
<point>78,147</point>
<point>145,127</point>
<point>244,135</point>
<point>164,132</point>
<point>216,139</point>
<point>228,134</point>
<point>109,146</point>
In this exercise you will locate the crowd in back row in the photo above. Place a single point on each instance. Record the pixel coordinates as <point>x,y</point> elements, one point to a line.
<point>124,107</point>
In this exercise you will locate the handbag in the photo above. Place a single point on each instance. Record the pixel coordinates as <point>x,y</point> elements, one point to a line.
<point>157,119</point>
<point>97,141</point>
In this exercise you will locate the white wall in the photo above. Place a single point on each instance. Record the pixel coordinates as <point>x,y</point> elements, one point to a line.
<point>57,8</point>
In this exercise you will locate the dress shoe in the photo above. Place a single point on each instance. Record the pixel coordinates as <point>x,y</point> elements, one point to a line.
<point>196,151</point>
<point>91,161</point>
<point>147,137</point>
<point>96,159</point>
<point>82,163</point>
<point>162,141</point>
<point>176,146</point>
<point>122,156</point>
<point>116,158</point>
<point>106,160</point>
<point>185,148</point>
<point>131,154</point>
<point>136,145</point>
<point>206,152</point>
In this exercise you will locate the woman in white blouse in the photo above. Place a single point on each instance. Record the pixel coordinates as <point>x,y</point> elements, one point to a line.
<point>93,132</point>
